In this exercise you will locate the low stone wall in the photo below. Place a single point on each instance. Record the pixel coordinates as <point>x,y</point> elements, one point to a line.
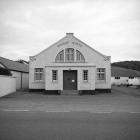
<point>7,85</point>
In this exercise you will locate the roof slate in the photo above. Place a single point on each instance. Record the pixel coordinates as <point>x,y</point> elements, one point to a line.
<point>15,66</point>
<point>123,72</point>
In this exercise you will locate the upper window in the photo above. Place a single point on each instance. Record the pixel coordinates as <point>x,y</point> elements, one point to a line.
<point>38,74</point>
<point>79,56</point>
<point>68,55</point>
<point>60,57</point>
<point>100,73</point>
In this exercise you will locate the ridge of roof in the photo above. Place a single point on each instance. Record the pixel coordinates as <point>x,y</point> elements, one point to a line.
<point>90,47</point>
<point>48,47</point>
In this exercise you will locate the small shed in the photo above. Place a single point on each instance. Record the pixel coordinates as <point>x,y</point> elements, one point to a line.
<point>18,70</point>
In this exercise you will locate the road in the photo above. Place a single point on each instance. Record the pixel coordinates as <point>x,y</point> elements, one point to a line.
<point>36,116</point>
<point>30,125</point>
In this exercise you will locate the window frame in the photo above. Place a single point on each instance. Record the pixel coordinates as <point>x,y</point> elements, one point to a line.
<point>38,74</point>
<point>60,57</point>
<point>79,56</point>
<point>102,71</point>
<point>69,55</point>
<point>54,75</point>
<point>131,77</point>
<point>117,77</point>
<point>85,75</point>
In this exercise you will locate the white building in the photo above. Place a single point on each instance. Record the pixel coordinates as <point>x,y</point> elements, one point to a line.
<point>123,76</point>
<point>18,70</point>
<point>70,64</point>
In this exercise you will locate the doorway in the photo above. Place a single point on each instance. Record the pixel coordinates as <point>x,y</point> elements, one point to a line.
<point>70,80</point>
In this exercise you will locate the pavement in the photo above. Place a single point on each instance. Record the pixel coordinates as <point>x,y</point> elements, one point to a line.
<point>104,116</point>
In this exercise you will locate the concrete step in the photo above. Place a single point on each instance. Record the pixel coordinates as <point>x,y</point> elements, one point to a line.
<point>69,92</point>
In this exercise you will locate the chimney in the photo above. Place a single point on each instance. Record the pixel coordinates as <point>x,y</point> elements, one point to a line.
<point>69,34</point>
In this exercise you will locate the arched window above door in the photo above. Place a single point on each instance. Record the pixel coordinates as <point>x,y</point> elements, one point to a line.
<point>70,55</point>
<point>60,57</point>
<point>79,56</point>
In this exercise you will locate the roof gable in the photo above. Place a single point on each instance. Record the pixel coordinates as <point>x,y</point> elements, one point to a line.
<point>48,47</point>
<point>89,47</point>
<point>67,40</point>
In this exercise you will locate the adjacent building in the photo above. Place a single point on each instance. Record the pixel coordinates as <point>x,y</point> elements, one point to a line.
<point>18,70</point>
<point>70,64</point>
<point>123,76</point>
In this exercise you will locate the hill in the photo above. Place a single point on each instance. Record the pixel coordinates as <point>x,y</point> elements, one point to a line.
<point>134,65</point>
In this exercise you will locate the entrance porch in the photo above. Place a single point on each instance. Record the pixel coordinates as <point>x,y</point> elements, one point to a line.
<point>69,77</point>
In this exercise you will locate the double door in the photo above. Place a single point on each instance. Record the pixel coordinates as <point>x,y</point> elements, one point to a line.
<point>70,80</point>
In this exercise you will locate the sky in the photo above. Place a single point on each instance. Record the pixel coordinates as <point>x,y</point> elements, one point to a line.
<point>112,27</point>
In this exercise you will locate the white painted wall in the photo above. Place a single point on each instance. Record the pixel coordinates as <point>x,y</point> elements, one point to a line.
<point>25,79</point>
<point>18,78</point>
<point>125,81</point>
<point>122,80</point>
<point>81,85</point>
<point>47,57</point>
<point>135,81</point>
<point>32,83</point>
<point>7,85</point>
<point>104,84</point>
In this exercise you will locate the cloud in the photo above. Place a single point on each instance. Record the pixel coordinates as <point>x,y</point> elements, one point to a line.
<point>109,26</point>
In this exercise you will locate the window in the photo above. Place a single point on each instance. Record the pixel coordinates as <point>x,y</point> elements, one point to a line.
<point>60,57</point>
<point>85,75</point>
<point>54,75</point>
<point>69,55</point>
<point>100,73</point>
<point>38,74</point>
<point>117,77</point>
<point>131,77</point>
<point>79,56</point>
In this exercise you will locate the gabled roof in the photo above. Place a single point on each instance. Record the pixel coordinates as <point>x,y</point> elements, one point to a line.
<point>49,47</point>
<point>89,47</point>
<point>123,72</point>
<point>72,35</point>
<point>14,66</point>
